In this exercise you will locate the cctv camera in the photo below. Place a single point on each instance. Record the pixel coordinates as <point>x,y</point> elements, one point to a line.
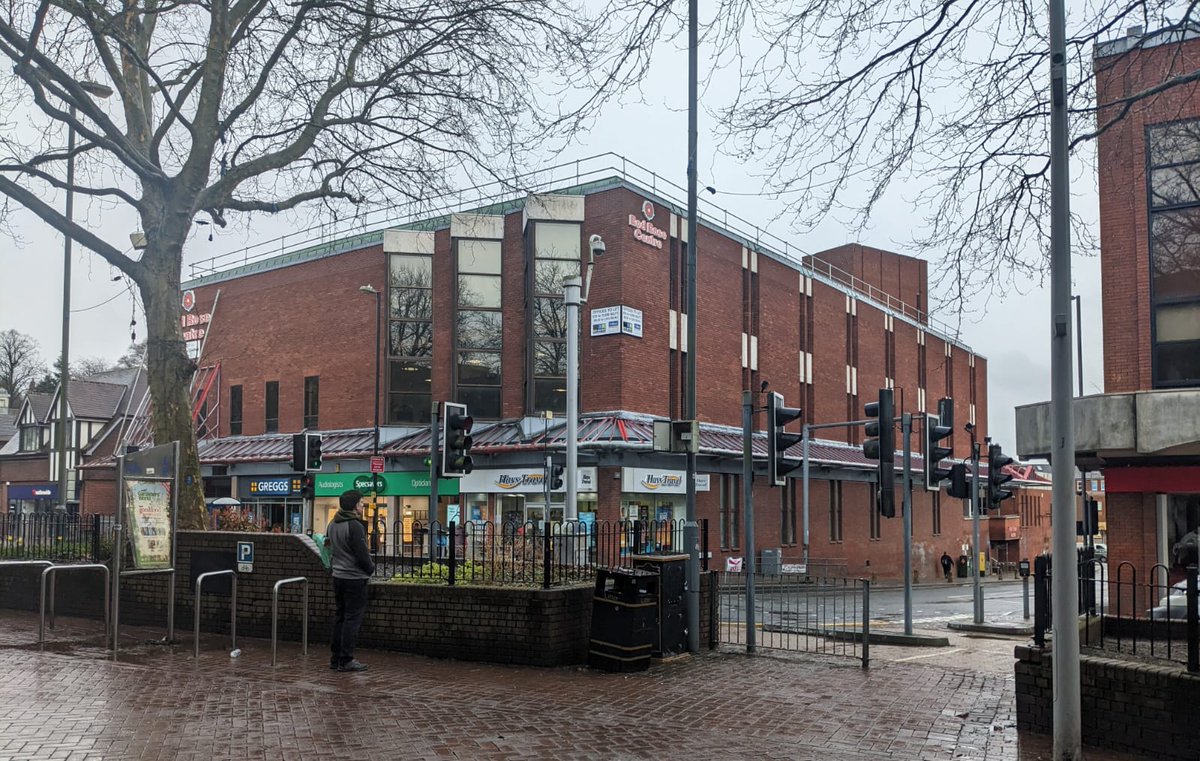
<point>596,243</point>
<point>969,427</point>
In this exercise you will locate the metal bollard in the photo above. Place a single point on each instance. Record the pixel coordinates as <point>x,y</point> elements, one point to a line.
<point>866,626</point>
<point>275,616</point>
<point>232,611</point>
<point>1025,589</point>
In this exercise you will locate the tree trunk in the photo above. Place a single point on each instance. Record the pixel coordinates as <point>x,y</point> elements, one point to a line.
<point>169,371</point>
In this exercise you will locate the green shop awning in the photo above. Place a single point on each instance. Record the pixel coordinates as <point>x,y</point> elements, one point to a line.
<point>391,484</point>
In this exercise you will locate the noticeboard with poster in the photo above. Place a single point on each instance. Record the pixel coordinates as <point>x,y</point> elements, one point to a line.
<point>148,516</point>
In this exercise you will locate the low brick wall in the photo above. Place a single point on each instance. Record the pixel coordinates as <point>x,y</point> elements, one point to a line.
<point>1131,707</point>
<point>542,627</point>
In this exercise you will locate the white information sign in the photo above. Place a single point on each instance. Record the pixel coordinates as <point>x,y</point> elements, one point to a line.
<point>631,321</point>
<point>606,321</point>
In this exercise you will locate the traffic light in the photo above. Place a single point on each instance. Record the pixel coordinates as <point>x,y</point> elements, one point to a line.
<point>881,445</point>
<point>779,440</point>
<point>456,440</point>
<point>555,474</point>
<point>996,492</point>
<point>960,482</point>
<point>299,452</point>
<point>312,451</point>
<point>936,428</point>
<point>307,484</point>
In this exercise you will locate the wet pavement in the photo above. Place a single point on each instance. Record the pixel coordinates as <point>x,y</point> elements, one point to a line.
<point>153,701</point>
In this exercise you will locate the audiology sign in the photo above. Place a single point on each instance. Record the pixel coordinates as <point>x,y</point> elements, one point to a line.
<point>391,484</point>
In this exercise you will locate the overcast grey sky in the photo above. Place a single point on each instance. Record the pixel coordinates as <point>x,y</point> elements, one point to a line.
<point>648,128</point>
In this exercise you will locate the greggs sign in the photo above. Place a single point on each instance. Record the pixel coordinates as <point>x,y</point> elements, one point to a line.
<point>644,230</point>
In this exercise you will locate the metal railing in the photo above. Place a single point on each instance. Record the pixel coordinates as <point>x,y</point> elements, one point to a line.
<point>275,616</point>
<point>55,537</point>
<point>1122,612</point>
<point>42,604</point>
<point>520,553</point>
<point>232,609</point>
<point>799,613</point>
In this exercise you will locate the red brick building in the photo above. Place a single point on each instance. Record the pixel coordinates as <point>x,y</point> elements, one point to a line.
<point>471,311</point>
<point>1143,433</point>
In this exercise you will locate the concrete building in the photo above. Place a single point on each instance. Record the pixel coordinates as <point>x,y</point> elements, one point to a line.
<point>1143,433</point>
<point>470,310</point>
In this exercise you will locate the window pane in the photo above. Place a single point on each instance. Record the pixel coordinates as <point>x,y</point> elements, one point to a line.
<point>482,401</point>
<point>550,394</point>
<point>1175,143</point>
<point>408,408</point>
<point>412,303</point>
<point>1176,253</point>
<point>549,318</point>
<point>1177,322</point>
<point>556,240</point>
<point>411,339</point>
<point>479,291</point>
<point>479,368</point>
<point>1177,363</point>
<point>549,274</point>
<point>1175,185</point>
<point>480,330</point>
<point>480,257</point>
<point>410,271</point>
<point>410,377</point>
<point>550,359</point>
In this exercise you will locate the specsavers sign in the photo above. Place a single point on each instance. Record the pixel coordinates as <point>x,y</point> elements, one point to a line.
<point>521,481</point>
<point>391,484</point>
<point>648,480</point>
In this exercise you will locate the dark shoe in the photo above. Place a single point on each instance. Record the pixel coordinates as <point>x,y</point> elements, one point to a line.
<point>334,664</point>
<point>352,666</point>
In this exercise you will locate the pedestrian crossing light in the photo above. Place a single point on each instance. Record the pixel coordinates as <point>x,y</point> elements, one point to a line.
<point>880,445</point>
<point>779,440</point>
<point>556,477</point>
<point>936,428</point>
<point>997,478</point>
<point>456,440</point>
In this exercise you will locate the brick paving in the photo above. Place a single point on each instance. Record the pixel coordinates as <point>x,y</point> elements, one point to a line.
<point>157,702</point>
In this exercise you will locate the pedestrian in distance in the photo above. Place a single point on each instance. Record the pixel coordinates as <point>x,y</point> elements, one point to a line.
<point>947,566</point>
<point>352,567</point>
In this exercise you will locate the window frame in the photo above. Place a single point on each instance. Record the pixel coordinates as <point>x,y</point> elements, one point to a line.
<point>271,399</point>
<point>236,411</point>
<point>419,402</point>
<point>532,295</point>
<point>460,390</point>
<point>312,393</point>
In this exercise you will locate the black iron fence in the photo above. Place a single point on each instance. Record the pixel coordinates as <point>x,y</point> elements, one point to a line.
<point>62,538</point>
<point>529,553</point>
<point>1154,615</point>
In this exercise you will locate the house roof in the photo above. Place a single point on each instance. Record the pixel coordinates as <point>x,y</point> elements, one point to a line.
<point>39,404</point>
<point>8,425</point>
<point>94,400</point>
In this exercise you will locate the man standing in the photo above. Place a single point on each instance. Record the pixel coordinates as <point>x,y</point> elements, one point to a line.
<point>352,567</point>
<point>947,564</point>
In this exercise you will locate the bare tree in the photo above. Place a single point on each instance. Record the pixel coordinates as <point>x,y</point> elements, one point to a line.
<point>945,101</point>
<point>253,106</point>
<point>20,364</point>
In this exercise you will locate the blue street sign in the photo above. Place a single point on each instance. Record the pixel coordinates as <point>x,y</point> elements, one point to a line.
<point>245,552</point>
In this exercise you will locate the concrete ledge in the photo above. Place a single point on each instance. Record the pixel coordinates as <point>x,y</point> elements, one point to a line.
<point>995,628</point>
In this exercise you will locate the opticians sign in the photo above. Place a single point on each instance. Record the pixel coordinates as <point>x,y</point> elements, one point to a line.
<point>652,481</point>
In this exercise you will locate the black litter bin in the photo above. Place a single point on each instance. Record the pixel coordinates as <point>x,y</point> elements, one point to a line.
<point>671,637</point>
<point>624,619</point>
<point>964,569</point>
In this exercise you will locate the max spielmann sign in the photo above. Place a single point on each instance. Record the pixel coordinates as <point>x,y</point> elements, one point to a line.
<point>148,515</point>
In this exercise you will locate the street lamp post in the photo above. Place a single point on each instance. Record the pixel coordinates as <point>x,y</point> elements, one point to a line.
<point>60,434</point>
<point>375,404</point>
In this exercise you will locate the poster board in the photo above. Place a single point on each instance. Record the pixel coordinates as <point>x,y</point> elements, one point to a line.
<point>148,516</point>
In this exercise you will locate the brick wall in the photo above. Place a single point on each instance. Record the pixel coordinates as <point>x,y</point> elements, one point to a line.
<point>1131,707</point>
<point>495,624</point>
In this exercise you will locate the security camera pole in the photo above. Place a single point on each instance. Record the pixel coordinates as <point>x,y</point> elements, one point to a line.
<point>573,299</point>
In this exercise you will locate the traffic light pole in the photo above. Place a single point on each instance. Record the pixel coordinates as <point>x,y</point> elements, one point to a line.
<point>571,298</point>
<point>748,502</point>
<point>976,588</point>
<point>431,515</point>
<point>906,432</point>
<point>691,529</point>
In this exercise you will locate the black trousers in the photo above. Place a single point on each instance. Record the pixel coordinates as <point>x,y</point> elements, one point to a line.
<point>351,604</point>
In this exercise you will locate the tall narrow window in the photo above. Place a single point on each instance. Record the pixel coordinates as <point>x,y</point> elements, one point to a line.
<point>410,337</point>
<point>835,511</point>
<point>555,259</point>
<point>235,410</point>
<point>272,407</point>
<point>312,393</point>
<point>787,512</point>
<point>1174,179</point>
<point>478,334</point>
<point>729,495</point>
